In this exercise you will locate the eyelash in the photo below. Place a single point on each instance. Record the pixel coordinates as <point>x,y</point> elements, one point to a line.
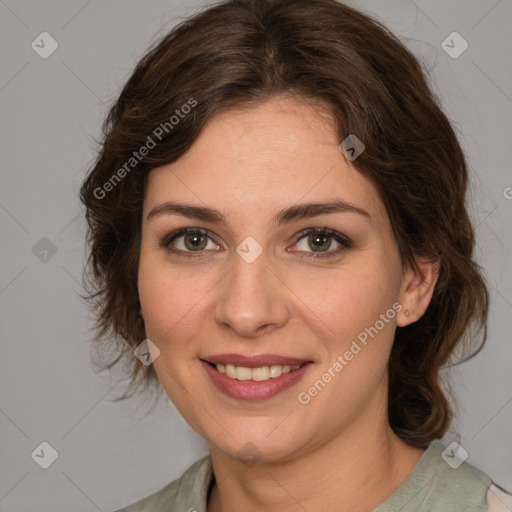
<point>344,241</point>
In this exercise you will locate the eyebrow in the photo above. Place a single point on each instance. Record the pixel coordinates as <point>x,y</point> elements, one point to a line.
<point>290,214</point>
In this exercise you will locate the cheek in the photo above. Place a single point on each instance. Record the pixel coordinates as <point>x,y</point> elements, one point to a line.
<point>355,323</point>
<point>175,305</point>
<point>345,308</point>
<point>350,299</point>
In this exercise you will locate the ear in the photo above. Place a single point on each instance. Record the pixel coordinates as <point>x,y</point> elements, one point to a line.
<point>417,289</point>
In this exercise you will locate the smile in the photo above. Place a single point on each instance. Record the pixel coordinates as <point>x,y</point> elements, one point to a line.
<point>254,381</point>
<point>259,374</point>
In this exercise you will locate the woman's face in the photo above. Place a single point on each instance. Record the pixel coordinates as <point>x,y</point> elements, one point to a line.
<point>259,286</point>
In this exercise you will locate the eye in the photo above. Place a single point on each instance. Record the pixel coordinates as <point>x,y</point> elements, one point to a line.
<point>318,242</point>
<point>321,241</point>
<point>189,240</point>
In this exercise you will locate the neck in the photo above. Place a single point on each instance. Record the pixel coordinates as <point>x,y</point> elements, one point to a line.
<point>357,470</point>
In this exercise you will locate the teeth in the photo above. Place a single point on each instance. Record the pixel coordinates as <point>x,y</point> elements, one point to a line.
<point>231,371</point>
<point>257,374</point>
<point>262,373</point>
<point>243,373</point>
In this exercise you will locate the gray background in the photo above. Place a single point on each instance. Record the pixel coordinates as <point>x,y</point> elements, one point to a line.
<point>109,454</point>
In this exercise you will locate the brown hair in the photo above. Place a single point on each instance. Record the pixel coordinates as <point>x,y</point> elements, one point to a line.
<point>241,52</point>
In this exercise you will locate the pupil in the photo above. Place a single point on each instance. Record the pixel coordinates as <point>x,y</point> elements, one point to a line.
<point>195,241</point>
<point>323,239</point>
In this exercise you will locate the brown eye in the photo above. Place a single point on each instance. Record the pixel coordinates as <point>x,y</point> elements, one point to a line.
<point>188,240</point>
<point>318,242</point>
<point>195,241</point>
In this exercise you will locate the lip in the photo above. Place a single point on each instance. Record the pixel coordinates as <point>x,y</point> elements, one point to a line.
<point>253,361</point>
<point>255,390</point>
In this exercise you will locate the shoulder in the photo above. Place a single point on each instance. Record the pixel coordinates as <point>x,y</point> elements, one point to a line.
<point>474,484</point>
<point>470,487</point>
<point>443,481</point>
<point>454,483</point>
<point>189,489</point>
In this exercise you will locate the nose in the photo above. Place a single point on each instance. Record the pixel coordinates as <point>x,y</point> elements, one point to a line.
<point>251,300</point>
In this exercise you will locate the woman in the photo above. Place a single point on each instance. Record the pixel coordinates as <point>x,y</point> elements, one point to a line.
<point>277,223</point>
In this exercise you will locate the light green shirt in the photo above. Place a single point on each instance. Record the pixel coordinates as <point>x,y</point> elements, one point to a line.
<point>433,485</point>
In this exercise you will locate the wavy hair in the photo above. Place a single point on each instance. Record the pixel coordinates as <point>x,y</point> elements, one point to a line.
<point>238,53</point>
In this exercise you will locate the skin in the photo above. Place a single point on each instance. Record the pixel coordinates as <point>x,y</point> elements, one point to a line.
<point>338,450</point>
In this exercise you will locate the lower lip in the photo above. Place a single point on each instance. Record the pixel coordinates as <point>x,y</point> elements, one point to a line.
<point>251,389</point>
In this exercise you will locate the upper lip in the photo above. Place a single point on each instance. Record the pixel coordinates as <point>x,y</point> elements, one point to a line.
<point>254,361</point>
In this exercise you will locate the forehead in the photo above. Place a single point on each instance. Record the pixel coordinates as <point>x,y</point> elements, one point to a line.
<point>260,158</point>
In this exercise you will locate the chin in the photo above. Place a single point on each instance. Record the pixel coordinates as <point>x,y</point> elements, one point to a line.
<point>270,445</point>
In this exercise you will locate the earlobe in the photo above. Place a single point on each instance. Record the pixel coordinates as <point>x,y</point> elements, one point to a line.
<point>417,289</point>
